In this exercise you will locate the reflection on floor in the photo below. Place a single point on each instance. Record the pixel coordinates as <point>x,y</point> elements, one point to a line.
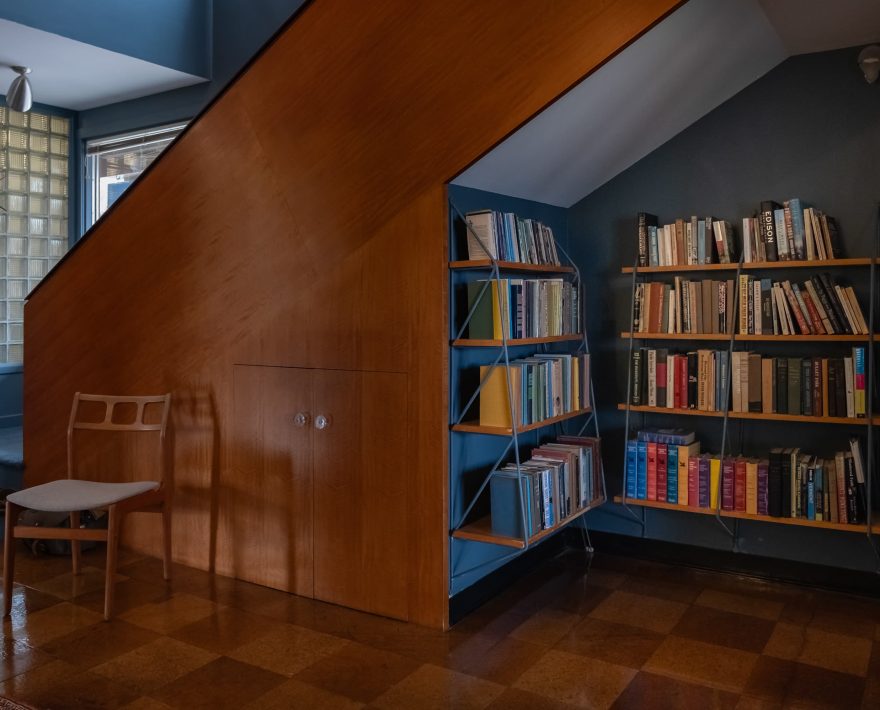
<point>619,633</point>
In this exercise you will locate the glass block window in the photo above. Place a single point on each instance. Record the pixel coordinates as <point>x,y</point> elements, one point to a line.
<point>114,163</point>
<point>34,166</point>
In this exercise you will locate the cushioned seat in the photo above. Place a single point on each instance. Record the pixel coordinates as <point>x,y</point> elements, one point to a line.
<point>69,495</point>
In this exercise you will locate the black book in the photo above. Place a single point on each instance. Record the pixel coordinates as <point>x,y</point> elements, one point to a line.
<point>819,287</point>
<point>828,285</point>
<point>781,385</point>
<point>635,397</point>
<point>839,387</point>
<point>661,375</point>
<point>832,390</point>
<point>766,307</point>
<point>645,220</point>
<point>692,380</point>
<point>807,387</point>
<point>767,229</point>
<point>785,478</point>
<point>833,237</point>
<point>853,502</point>
<point>644,375</point>
<point>774,484</point>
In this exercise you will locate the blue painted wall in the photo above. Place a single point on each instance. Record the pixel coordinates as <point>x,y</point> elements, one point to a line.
<point>171,33</point>
<point>239,30</point>
<point>808,128</point>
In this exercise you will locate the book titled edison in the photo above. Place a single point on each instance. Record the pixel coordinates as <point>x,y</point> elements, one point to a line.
<point>560,479</point>
<point>543,386</point>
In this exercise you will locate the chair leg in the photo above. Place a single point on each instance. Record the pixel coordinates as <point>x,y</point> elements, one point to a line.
<point>74,544</point>
<point>114,528</point>
<point>166,539</point>
<point>12,513</point>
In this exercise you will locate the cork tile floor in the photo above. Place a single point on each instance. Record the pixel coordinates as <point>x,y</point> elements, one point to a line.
<point>616,633</point>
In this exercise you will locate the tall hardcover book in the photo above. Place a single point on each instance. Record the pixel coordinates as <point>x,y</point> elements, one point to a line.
<point>703,480</point>
<point>685,454</point>
<point>672,473</point>
<point>763,481</point>
<point>642,471</point>
<point>652,470</point>
<point>727,483</point>
<point>774,483</point>
<point>768,229</point>
<point>662,472</point>
<point>714,481</point>
<point>645,221</point>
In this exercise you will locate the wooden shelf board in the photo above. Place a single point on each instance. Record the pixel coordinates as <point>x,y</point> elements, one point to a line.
<point>751,266</point>
<point>481,530</point>
<point>511,266</point>
<point>746,516</point>
<point>478,343</point>
<point>477,428</point>
<point>863,421</point>
<point>747,338</point>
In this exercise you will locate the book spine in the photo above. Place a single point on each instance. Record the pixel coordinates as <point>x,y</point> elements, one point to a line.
<point>768,231</point>
<point>795,308</point>
<point>693,481</point>
<point>703,482</point>
<point>727,484</point>
<point>774,485</point>
<point>859,382</point>
<point>652,471</point>
<point>643,239</point>
<point>672,474</point>
<point>763,493</point>
<point>739,485</point>
<point>642,471</point>
<point>662,472</point>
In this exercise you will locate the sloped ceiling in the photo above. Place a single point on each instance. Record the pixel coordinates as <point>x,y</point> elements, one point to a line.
<point>687,65</point>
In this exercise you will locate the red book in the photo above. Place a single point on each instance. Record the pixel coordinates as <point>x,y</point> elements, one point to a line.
<point>652,470</point>
<point>661,472</point>
<point>739,485</point>
<point>727,484</point>
<point>693,481</point>
<point>682,382</point>
<point>815,318</point>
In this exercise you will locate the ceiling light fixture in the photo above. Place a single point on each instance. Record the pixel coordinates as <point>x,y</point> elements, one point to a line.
<point>19,97</point>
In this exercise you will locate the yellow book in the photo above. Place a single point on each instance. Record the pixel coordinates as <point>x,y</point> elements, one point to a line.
<point>714,481</point>
<point>752,487</point>
<point>494,402</point>
<point>685,453</point>
<point>496,312</point>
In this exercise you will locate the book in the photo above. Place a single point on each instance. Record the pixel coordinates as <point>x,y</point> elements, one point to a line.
<point>768,229</point>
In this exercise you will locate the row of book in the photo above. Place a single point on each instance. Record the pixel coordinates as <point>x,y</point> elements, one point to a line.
<point>807,386</point>
<point>522,308</point>
<point>542,386</point>
<point>667,466</point>
<point>698,240</point>
<point>790,232</point>
<point>505,237</point>
<point>819,306</point>
<point>685,306</point>
<point>560,479</point>
<point>786,232</point>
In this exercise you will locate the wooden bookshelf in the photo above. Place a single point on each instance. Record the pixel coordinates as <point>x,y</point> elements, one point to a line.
<point>749,338</point>
<point>477,428</point>
<point>477,343</point>
<point>512,266</point>
<point>747,516</point>
<point>751,266</point>
<point>853,421</point>
<point>481,530</point>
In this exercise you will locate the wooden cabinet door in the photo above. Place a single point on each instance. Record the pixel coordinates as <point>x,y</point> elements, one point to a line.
<point>360,465</point>
<point>271,458</point>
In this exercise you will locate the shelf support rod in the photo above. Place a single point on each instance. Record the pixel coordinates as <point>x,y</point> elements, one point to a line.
<point>640,519</point>
<point>871,392</point>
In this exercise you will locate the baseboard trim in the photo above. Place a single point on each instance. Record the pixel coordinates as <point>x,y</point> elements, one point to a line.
<point>837,579</point>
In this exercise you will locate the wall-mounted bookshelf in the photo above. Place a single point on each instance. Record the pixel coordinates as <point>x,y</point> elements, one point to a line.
<point>734,329</point>
<point>501,365</point>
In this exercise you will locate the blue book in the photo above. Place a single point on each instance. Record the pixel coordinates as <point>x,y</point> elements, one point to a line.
<point>701,242</point>
<point>781,231</point>
<point>547,492</point>
<point>811,493</point>
<point>797,228</point>
<point>507,516</point>
<point>632,464</point>
<point>642,471</point>
<point>654,249</point>
<point>723,399</point>
<point>672,474</point>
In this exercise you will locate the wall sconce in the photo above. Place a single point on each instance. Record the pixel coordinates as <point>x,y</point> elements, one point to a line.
<point>19,97</point>
<point>869,61</point>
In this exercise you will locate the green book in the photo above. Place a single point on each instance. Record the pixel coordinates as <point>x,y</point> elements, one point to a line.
<point>480,326</point>
<point>794,385</point>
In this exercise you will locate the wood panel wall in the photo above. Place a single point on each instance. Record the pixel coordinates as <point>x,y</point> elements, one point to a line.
<point>302,221</point>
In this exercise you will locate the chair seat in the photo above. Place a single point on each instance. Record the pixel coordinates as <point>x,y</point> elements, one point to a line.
<point>69,495</point>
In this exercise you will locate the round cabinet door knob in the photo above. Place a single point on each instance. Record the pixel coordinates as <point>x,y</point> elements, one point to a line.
<point>301,419</point>
<point>322,421</point>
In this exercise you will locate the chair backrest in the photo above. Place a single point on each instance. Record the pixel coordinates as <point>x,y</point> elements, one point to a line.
<point>110,403</point>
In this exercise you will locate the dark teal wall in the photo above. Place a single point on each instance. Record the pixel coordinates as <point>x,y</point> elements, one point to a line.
<point>171,33</point>
<point>810,128</point>
<point>239,30</point>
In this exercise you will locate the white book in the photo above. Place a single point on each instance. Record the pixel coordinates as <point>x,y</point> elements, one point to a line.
<point>481,238</point>
<point>670,381</point>
<point>847,310</point>
<point>808,234</point>
<point>652,378</point>
<point>747,240</point>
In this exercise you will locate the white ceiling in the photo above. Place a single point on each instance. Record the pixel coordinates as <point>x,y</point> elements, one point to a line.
<point>700,56</point>
<point>79,76</point>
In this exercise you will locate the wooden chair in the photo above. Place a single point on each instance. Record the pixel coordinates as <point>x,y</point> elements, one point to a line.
<point>74,495</point>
